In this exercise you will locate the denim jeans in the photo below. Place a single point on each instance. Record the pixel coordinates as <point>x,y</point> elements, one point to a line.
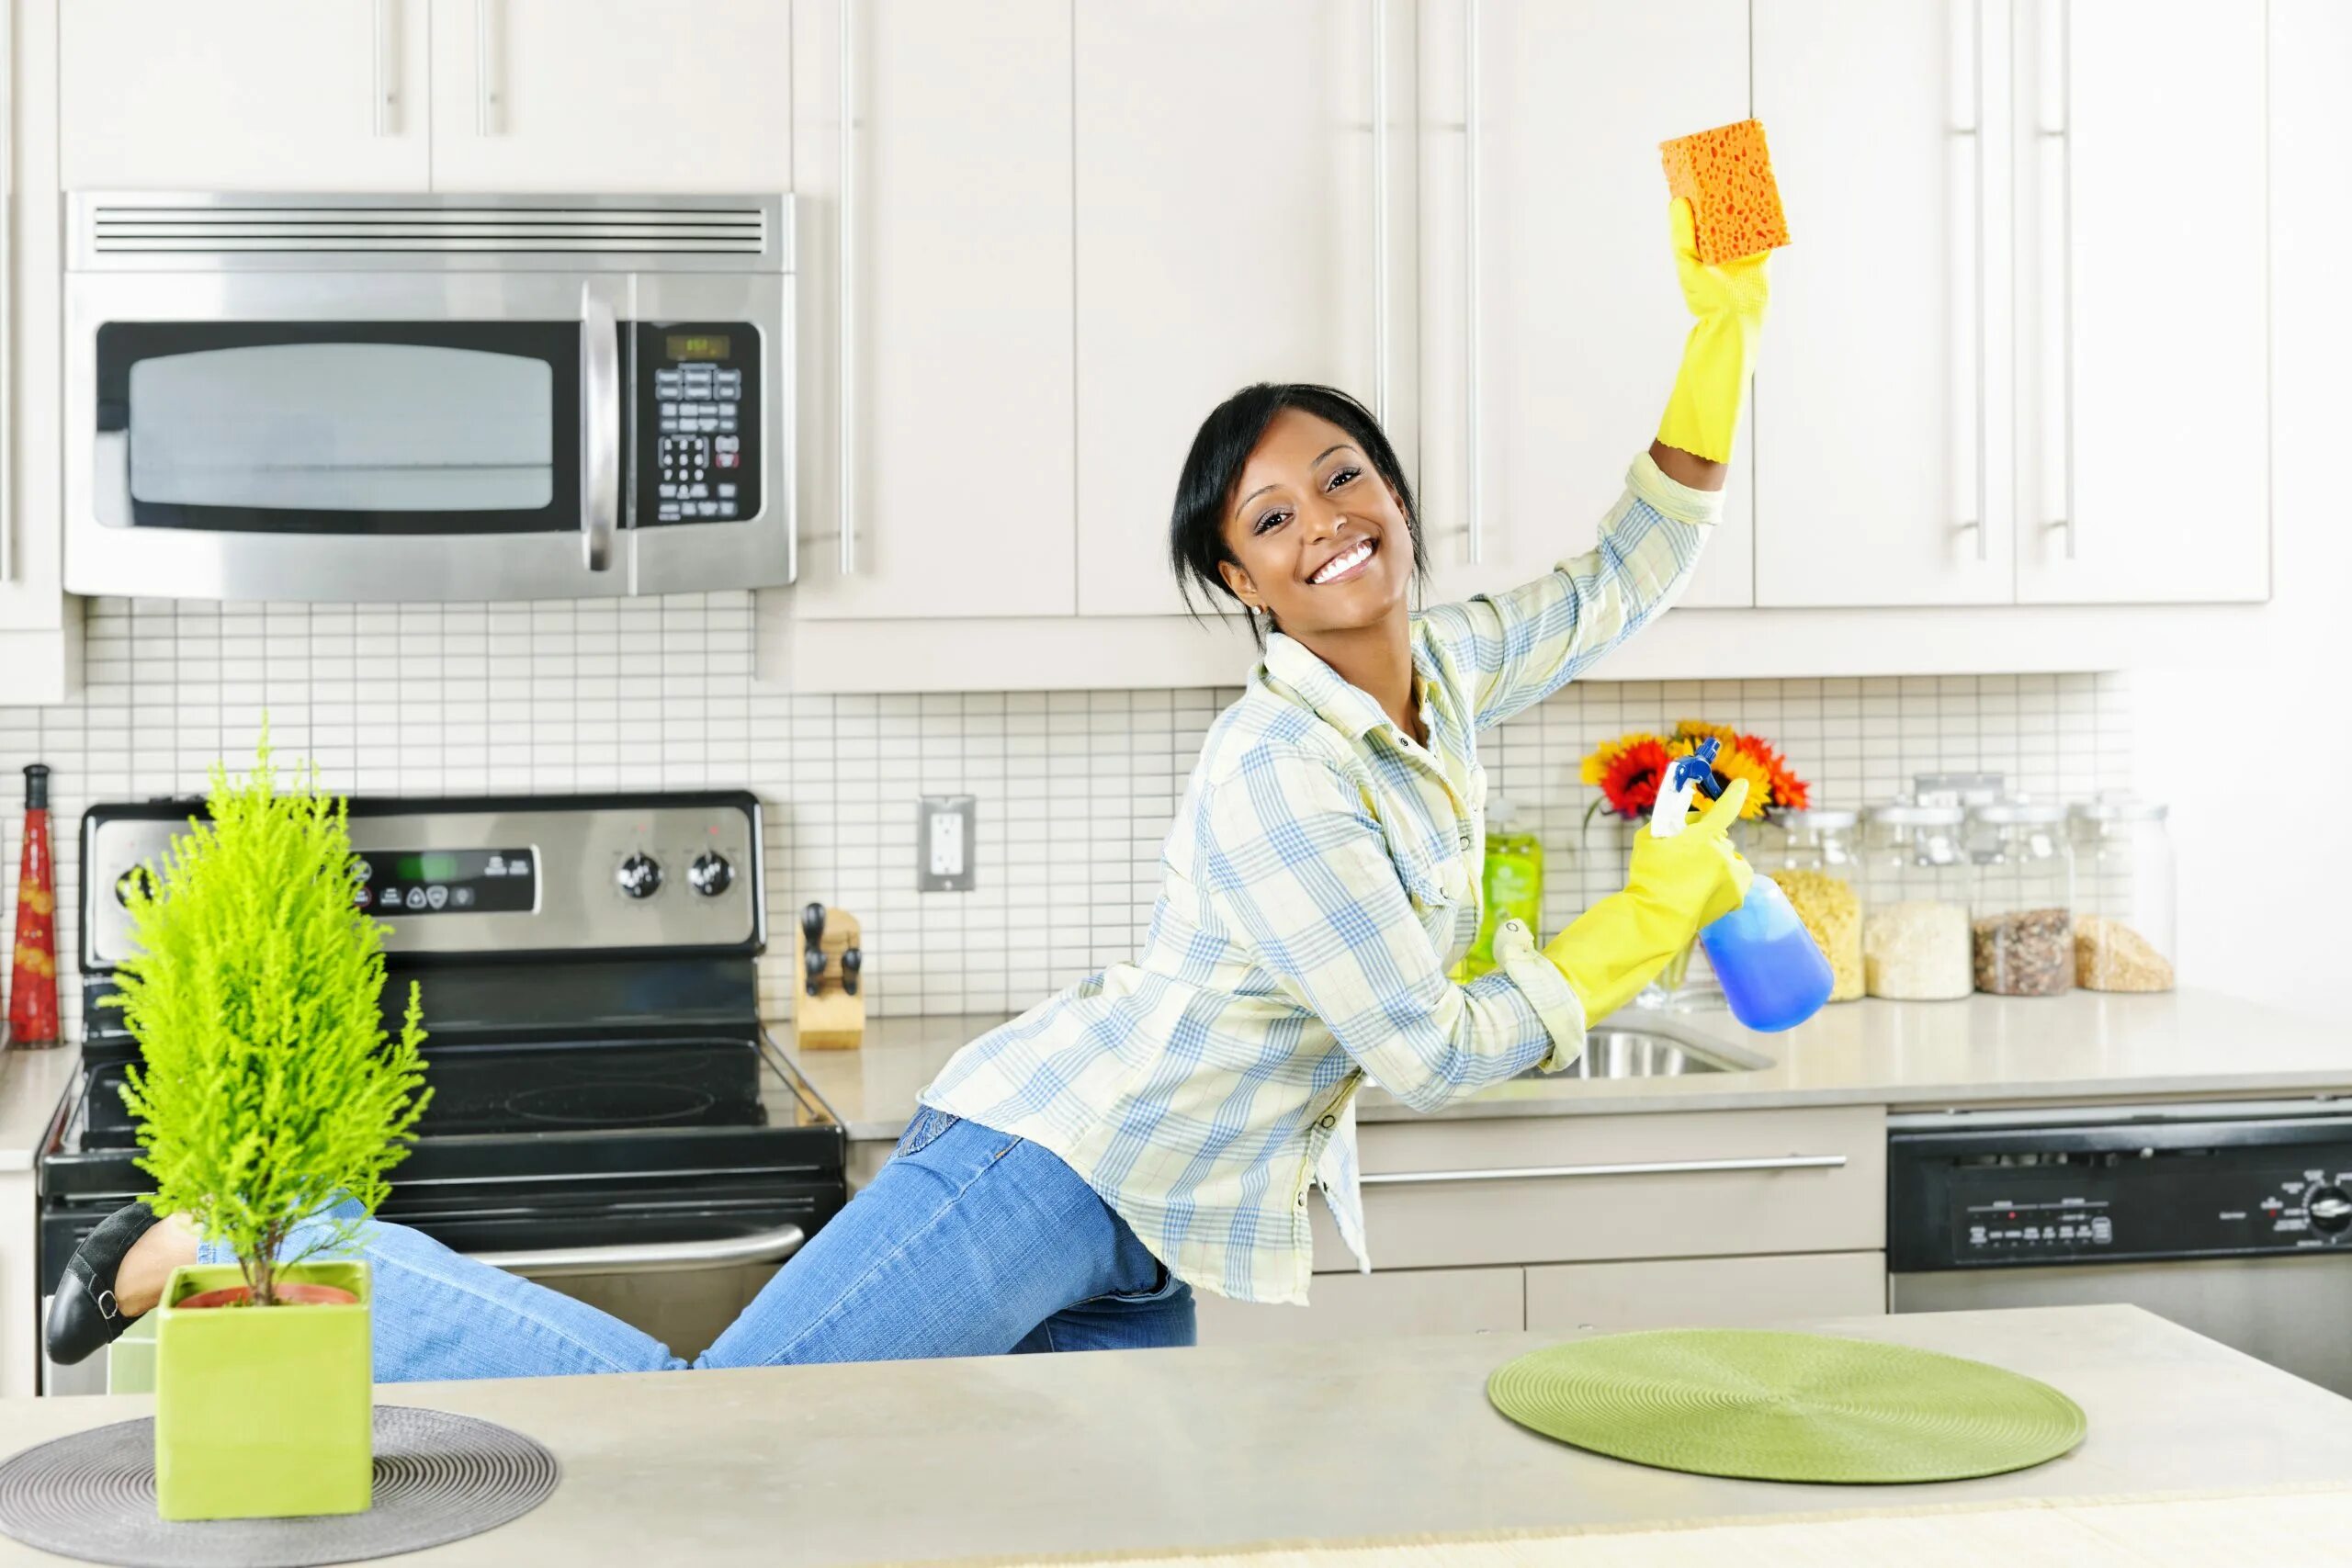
<point>969,1243</point>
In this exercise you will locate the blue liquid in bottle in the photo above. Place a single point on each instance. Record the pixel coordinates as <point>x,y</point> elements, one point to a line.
<point>1774,974</point>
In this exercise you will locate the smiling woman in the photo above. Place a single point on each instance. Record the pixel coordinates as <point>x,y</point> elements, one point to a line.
<point>1074,1175</point>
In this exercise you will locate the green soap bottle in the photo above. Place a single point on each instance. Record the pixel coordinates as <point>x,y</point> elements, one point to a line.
<point>1514,884</point>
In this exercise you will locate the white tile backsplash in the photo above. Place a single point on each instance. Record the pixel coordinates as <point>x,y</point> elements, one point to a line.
<point>1075,789</point>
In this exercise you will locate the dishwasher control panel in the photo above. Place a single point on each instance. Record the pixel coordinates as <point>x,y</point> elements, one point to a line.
<point>2125,1189</point>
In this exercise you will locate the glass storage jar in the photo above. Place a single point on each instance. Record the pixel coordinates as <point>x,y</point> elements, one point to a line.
<point>1916,883</point>
<point>2124,895</point>
<point>2023,925</point>
<point>1817,866</point>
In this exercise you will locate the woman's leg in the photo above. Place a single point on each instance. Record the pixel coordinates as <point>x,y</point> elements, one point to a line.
<point>967,1241</point>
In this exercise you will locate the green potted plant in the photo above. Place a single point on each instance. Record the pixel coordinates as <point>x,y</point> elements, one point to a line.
<point>270,1089</point>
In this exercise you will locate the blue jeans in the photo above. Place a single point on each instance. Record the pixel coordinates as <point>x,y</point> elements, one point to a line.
<point>969,1243</point>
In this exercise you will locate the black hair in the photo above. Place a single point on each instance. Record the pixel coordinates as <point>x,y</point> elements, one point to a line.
<point>1213,468</point>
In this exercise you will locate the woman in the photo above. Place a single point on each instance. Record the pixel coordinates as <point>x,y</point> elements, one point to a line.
<point>1071,1176</point>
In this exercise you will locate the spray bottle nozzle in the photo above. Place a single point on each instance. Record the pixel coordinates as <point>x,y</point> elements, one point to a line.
<point>1698,770</point>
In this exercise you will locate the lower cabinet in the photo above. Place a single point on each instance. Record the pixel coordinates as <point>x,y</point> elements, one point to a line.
<point>1704,1293</point>
<point>1373,1306</point>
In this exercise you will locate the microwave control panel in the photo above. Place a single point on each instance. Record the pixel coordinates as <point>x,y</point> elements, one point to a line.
<point>697,422</point>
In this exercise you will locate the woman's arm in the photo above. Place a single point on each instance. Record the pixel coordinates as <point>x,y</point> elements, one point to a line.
<point>1293,860</point>
<point>1687,469</point>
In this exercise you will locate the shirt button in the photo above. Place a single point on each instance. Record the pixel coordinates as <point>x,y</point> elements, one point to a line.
<point>1327,1122</point>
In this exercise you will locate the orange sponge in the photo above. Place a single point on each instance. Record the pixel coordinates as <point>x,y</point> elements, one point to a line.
<point>1727,173</point>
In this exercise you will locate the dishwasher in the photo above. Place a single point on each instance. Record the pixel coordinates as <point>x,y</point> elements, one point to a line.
<point>2233,1219</point>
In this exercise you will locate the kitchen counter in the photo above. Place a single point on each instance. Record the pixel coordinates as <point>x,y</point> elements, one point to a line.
<point>31,1083</point>
<point>1908,1055</point>
<point>1021,1456</point>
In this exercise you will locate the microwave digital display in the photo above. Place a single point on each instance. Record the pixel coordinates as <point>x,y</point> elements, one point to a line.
<point>699,345</point>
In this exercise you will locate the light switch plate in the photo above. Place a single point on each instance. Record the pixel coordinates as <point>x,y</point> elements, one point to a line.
<point>944,843</point>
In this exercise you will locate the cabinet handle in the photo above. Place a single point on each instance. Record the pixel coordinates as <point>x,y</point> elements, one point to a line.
<point>2063,134</point>
<point>383,95</point>
<point>1642,1167</point>
<point>1976,134</point>
<point>1380,281</point>
<point>1474,356</point>
<point>486,103</point>
<point>654,1258</point>
<point>845,283</point>
<point>600,429</point>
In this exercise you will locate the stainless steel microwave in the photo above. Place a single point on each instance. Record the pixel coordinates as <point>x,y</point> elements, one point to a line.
<point>400,397</point>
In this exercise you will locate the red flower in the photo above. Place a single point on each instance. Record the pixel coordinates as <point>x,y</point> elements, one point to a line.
<point>1630,782</point>
<point>1788,789</point>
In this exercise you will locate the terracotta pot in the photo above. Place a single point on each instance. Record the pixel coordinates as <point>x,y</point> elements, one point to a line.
<point>287,1295</point>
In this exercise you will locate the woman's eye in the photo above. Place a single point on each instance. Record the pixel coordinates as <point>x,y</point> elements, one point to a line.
<point>1271,520</point>
<point>1342,476</point>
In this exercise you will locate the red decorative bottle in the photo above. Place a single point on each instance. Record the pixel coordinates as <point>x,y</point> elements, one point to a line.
<point>32,984</point>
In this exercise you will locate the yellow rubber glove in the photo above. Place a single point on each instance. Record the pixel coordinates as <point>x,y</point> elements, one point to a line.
<point>1702,415</point>
<point>1676,886</point>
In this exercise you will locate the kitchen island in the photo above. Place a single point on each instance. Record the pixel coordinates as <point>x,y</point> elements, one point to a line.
<point>1132,1451</point>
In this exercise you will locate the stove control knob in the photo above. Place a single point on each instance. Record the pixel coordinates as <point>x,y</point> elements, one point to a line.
<point>130,879</point>
<point>640,875</point>
<point>2330,1209</point>
<point>710,874</point>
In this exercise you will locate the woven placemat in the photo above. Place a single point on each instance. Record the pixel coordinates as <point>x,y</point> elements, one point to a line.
<point>438,1478</point>
<point>1770,1406</point>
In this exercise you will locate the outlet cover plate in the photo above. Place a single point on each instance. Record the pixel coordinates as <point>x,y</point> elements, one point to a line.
<point>944,846</point>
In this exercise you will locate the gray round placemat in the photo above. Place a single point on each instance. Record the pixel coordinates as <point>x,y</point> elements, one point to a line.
<point>438,1478</point>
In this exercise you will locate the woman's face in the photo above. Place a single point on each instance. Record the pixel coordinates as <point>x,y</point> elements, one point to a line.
<point>1321,540</point>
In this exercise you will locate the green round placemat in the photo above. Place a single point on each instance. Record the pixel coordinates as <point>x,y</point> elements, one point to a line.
<point>1769,1406</point>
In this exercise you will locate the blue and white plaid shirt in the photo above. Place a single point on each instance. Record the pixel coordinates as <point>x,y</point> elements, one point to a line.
<point>1321,881</point>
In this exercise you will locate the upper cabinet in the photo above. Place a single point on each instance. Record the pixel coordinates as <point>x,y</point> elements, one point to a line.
<point>1552,320</point>
<point>2148,172</point>
<point>937,261</point>
<point>274,94</point>
<point>610,94</point>
<point>1226,237</point>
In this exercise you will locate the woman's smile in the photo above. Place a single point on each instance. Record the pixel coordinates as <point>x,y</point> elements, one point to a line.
<point>1347,565</point>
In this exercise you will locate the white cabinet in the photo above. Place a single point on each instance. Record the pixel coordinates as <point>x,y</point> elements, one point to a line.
<point>1882,392</point>
<point>40,628</point>
<point>611,94</point>
<point>2151,422</point>
<point>19,1285</point>
<point>272,95</point>
<point>956,410</point>
<point>1224,237</point>
<point>1373,1306</point>
<point>1704,1293</point>
<point>1534,410</point>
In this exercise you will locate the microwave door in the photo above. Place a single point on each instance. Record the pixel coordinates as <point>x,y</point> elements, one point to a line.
<point>346,437</point>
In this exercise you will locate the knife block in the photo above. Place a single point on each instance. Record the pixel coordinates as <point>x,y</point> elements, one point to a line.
<point>832,1020</point>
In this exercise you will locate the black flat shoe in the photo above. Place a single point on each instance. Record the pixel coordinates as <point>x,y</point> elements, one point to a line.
<point>82,1316</point>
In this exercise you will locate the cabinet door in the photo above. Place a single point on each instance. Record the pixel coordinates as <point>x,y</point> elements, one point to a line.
<point>1224,237</point>
<point>1704,1293</point>
<point>1533,414</point>
<point>1390,1305</point>
<point>1882,415</point>
<point>2152,483</point>
<point>956,406</point>
<point>612,95</point>
<point>264,95</point>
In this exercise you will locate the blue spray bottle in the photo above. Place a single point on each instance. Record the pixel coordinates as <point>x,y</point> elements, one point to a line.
<point>1774,974</point>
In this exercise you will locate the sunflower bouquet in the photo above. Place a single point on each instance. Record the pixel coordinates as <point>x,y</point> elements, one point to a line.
<point>1629,769</point>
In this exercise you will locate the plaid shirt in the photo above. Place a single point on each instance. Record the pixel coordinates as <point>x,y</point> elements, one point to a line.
<point>1321,879</point>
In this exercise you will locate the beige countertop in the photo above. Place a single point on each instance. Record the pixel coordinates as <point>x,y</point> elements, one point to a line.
<point>2078,1048</point>
<point>1023,1456</point>
<point>31,1083</point>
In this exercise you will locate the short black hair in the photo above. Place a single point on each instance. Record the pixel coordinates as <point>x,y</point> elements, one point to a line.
<point>1221,449</point>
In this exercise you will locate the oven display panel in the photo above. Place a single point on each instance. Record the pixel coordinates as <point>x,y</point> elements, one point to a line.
<point>448,882</point>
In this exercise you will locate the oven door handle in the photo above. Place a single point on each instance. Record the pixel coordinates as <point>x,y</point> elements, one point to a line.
<point>600,429</point>
<point>653,1257</point>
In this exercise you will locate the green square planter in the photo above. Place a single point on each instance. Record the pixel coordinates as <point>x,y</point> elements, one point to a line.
<point>263,1412</point>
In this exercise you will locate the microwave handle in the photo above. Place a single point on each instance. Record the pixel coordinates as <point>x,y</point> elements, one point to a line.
<point>600,429</point>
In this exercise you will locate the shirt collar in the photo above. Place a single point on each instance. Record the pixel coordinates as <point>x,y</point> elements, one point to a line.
<point>1347,708</point>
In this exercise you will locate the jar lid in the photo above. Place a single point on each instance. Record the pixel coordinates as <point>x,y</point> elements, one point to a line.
<point>2009,812</point>
<point>1903,813</point>
<point>1829,818</point>
<point>2122,810</point>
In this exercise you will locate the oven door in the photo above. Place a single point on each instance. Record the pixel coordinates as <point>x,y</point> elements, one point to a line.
<point>351,436</point>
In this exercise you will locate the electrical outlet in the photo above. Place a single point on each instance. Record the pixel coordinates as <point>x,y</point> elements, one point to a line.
<point>944,843</point>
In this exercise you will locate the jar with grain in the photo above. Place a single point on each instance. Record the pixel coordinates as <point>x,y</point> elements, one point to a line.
<point>1818,867</point>
<point>1917,883</point>
<point>2022,924</point>
<point>2124,895</point>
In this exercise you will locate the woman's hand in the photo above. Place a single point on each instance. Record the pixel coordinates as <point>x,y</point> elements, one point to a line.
<point>1728,301</point>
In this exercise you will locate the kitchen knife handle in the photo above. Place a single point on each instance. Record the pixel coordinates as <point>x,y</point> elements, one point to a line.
<point>852,960</point>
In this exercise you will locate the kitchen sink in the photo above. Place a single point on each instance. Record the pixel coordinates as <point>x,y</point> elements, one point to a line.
<point>1627,1051</point>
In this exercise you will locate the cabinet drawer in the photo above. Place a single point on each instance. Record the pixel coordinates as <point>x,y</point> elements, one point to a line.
<point>1705,1292</point>
<point>1371,1307</point>
<point>1579,1189</point>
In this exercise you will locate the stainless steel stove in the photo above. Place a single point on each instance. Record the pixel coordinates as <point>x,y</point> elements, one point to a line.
<point>607,1112</point>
